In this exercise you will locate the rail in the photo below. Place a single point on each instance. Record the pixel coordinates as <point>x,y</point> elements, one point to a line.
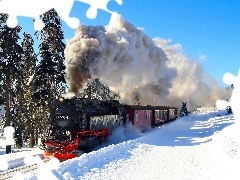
<point>22,169</point>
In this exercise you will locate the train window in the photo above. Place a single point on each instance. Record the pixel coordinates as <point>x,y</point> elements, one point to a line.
<point>149,115</point>
<point>136,116</point>
<point>160,113</point>
<point>175,112</point>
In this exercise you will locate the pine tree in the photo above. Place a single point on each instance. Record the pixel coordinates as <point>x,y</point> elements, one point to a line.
<point>49,76</point>
<point>95,89</point>
<point>229,110</point>
<point>50,71</point>
<point>28,109</point>
<point>10,68</point>
<point>184,111</point>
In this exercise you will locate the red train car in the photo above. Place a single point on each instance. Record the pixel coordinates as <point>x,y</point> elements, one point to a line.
<point>160,115</point>
<point>173,112</point>
<point>140,116</point>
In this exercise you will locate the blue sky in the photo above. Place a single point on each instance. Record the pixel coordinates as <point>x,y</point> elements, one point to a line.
<point>202,27</point>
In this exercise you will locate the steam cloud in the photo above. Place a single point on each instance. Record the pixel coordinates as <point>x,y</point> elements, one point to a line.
<point>192,84</point>
<point>123,57</point>
<point>138,67</point>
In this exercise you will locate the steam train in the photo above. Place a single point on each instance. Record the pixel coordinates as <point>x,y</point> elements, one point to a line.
<point>80,124</point>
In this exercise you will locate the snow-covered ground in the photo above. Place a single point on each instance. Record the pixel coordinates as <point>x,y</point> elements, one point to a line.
<point>199,146</point>
<point>16,159</point>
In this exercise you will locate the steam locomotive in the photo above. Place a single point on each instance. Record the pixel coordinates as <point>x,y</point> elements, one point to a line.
<point>79,124</point>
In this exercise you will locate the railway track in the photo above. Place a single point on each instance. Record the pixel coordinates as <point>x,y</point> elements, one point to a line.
<point>22,169</point>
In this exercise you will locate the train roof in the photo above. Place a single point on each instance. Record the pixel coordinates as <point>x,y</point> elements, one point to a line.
<point>139,107</point>
<point>117,104</point>
<point>163,107</point>
<point>159,107</point>
<point>173,108</point>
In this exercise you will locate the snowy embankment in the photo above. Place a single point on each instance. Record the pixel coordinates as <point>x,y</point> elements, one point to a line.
<point>199,146</point>
<point>16,159</point>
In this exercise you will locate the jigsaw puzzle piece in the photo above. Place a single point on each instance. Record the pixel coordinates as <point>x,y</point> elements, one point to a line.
<point>14,8</point>
<point>95,5</point>
<point>3,165</point>
<point>229,78</point>
<point>12,21</point>
<point>9,132</point>
<point>235,98</point>
<point>6,9</point>
<point>38,24</point>
<point>221,104</point>
<point>63,9</point>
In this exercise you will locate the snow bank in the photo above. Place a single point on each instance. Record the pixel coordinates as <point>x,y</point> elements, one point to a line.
<point>184,149</point>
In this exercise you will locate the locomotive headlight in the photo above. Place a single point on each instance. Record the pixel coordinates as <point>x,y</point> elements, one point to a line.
<point>61,99</point>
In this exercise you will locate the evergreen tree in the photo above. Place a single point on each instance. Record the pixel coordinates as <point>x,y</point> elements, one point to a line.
<point>184,111</point>
<point>49,76</point>
<point>28,109</point>
<point>10,53</point>
<point>50,72</point>
<point>95,89</point>
<point>229,110</point>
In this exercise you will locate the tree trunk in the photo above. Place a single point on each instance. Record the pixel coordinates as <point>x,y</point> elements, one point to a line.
<point>36,136</point>
<point>8,116</point>
<point>30,134</point>
<point>31,140</point>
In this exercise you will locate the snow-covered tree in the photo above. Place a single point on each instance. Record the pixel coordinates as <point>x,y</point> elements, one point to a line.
<point>10,54</point>
<point>229,110</point>
<point>28,109</point>
<point>50,71</point>
<point>184,111</point>
<point>95,89</point>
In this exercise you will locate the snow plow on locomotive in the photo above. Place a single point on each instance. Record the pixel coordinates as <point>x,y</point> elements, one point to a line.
<point>78,125</point>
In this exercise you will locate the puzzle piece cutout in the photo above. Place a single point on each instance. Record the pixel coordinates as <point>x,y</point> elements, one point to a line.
<point>234,102</point>
<point>3,165</point>
<point>35,8</point>
<point>9,140</point>
<point>96,5</point>
<point>44,170</point>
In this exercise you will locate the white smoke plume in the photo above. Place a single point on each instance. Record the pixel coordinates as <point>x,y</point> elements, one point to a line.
<point>192,84</point>
<point>123,57</point>
<point>141,69</point>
